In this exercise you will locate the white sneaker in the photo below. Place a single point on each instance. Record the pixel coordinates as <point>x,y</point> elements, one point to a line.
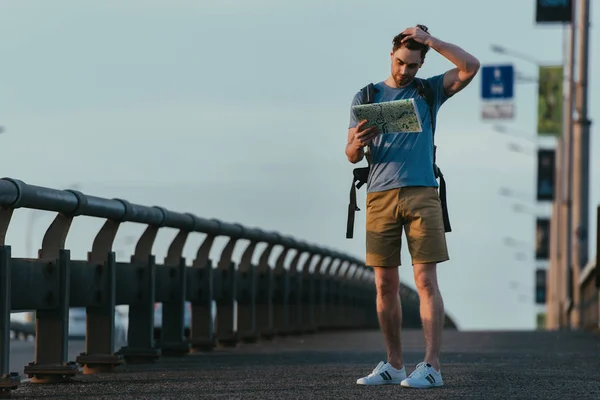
<point>423,377</point>
<point>383,374</point>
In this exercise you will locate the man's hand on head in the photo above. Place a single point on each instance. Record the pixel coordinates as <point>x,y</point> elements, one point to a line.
<point>417,34</point>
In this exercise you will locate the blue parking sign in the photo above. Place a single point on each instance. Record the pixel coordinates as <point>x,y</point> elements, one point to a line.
<point>497,82</point>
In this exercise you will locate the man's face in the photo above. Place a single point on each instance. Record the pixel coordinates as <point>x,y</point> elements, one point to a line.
<point>405,64</point>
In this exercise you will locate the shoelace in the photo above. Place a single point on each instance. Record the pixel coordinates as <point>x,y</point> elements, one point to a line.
<point>377,369</point>
<point>421,370</point>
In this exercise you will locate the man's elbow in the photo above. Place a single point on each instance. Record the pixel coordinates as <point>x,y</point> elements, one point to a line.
<point>473,66</point>
<point>466,76</point>
<point>354,156</point>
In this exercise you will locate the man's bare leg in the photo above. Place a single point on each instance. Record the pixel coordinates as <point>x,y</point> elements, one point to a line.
<point>432,311</point>
<point>389,312</point>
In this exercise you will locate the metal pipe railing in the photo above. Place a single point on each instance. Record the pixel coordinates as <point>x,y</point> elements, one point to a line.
<point>329,290</point>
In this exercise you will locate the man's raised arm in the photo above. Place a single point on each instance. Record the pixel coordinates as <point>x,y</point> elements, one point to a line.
<point>467,65</point>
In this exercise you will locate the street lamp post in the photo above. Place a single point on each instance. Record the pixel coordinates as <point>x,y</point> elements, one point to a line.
<point>506,192</point>
<point>521,208</point>
<point>517,133</point>
<point>521,56</point>
<point>517,148</point>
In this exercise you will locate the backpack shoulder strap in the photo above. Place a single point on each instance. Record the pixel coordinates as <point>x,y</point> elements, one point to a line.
<point>368,94</point>
<point>360,175</point>
<point>368,97</point>
<point>425,90</point>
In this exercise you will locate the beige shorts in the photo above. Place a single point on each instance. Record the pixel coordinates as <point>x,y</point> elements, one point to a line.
<point>417,210</point>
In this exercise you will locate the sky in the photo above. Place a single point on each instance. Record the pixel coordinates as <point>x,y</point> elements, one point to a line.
<point>238,110</point>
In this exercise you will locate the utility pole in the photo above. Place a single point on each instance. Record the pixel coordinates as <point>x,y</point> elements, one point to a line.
<point>564,273</point>
<point>581,165</point>
<point>553,278</point>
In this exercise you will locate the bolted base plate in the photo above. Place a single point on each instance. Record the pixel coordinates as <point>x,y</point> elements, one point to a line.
<point>175,349</point>
<point>97,363</point>
<point>9,382</point>
<point>202,345</point>
<point>228,341</point>
<point>140,355</point>
<point>267,335</point>
<point>249,338</point>
<point>51,373</point>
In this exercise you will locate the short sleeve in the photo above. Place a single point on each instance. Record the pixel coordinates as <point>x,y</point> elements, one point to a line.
<point>355,101</point>
<point>437,84</point>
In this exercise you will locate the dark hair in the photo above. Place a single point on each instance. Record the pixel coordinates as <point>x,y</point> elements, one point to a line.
<point>411,44</point>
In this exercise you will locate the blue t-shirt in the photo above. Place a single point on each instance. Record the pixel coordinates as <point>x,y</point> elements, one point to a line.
<point>404,158</point>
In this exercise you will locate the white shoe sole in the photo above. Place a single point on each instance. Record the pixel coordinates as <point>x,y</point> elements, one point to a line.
<point>380,383</point>
<point>426,386</point>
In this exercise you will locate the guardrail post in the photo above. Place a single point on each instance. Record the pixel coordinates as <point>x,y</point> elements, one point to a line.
<point>227,335</point>
<point>52,324</point>
<point>370,309</point>
<point>8,380</point>
<point>320,279</point>
<point>281,293</point>
<point>342,297</point>
<point>264,300</point>
<point>201,295</point>
<point>247,292</point>
<point>296,296</point>
<point>172,340</point>
<point>347,318</point>
<point>309,296</point>
<point>356,309</point>
<point>328,293</point>
<point>99,355</point>
<point>140,336</point>
<point>336,297</point>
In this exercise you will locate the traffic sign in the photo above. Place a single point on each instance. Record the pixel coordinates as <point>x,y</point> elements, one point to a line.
<point>497,82</point>
<point>554,11</point>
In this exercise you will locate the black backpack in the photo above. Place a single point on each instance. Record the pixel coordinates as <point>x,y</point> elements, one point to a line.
<point>361,175</point>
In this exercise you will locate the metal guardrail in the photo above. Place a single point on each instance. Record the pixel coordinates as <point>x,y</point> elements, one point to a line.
<point>253,301</point>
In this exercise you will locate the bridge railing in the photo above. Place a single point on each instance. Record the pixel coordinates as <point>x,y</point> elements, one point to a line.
<point>323,290</point>
<point>589,287</point>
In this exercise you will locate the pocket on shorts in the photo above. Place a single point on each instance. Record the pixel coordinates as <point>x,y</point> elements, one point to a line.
<point>425,203</point>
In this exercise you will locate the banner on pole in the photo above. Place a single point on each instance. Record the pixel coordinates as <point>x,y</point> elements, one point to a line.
<point>553,11</point>
<point>542,239</point>
<point>497,110</point>
<point>545,175</point>
<point>550,100</point>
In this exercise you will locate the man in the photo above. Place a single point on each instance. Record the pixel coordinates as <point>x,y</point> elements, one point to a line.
<point>402,193</point>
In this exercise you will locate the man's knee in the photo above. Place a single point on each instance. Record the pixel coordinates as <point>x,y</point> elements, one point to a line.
<point>387,281</point>
<point>426,279</point>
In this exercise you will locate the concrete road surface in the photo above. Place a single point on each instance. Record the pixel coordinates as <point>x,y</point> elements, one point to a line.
<point>475,365</point>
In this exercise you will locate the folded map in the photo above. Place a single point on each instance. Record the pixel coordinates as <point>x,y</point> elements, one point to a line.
<point>391,116</point>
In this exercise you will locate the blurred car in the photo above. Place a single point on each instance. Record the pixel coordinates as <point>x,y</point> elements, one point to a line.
<point>158,319</point>
<point>77,325</point>
<point>23,324</point>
